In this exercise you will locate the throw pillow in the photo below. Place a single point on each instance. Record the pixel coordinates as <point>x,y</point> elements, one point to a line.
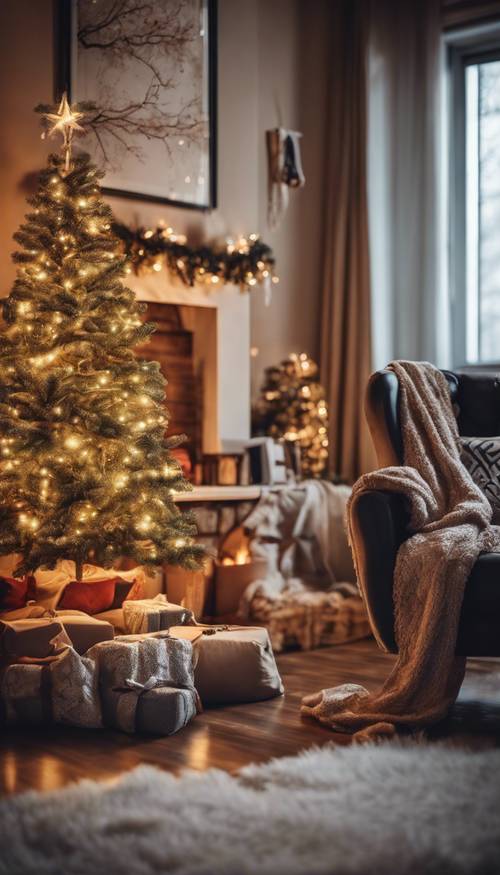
<point>15,592</point>
<point>92,598</point>
<point>124,591</point>
<point>481,457</point>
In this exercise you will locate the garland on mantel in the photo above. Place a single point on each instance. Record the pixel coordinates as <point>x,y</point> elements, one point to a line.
<point>245,262</point>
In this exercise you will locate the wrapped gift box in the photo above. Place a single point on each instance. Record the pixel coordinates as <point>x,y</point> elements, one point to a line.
<point>84,630</point>
<point>153,615</point>
<point>60,689</point>
<point>37,638</point>
<point>25,694</point>
<point>158,709</point>
<point>140,677</point>
<point>233,664</point>
<point>32,636</point>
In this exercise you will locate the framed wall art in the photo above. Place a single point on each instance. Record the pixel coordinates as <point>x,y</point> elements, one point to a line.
<point>149,67</point>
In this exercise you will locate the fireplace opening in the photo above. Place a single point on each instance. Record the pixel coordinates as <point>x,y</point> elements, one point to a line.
<point>179,351</point>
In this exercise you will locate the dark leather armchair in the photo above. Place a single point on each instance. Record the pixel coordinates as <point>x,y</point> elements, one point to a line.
<point>380,518</point>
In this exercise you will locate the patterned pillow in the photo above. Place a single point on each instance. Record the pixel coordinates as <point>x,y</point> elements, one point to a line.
<point>481,457</point>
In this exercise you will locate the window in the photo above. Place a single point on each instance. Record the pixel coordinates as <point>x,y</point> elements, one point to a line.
<point>475,203</point>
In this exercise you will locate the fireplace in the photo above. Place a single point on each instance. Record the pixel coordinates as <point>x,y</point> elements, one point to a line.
<point>215,592</point>
<point>203,347</point>
<point>173,346</point>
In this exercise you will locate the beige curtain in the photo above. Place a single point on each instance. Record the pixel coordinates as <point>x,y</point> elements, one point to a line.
<point>345,326</point>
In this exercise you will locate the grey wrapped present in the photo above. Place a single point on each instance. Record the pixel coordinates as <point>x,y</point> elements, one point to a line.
<point>146,682</point>
<point>155,707</point>
<point>60,689</point>
<point>153,615</point>
<point>25,695</point>
<point>233,664</point>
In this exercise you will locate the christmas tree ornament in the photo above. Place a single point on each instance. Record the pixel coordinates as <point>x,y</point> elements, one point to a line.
<point>292,406</point>
<point>86,471</point>
<point>65,122</point>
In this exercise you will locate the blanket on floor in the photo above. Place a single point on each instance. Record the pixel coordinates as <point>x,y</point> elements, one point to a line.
<point>450,521</point>
<point>308,596</point>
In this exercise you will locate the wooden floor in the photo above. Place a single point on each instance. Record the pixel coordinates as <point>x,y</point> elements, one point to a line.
<point>231,737</point>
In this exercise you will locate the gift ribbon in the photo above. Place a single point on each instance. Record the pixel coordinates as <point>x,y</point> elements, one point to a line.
<point>156,683</point>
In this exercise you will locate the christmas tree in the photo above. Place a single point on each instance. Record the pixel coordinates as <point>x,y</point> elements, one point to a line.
<point>86,469</point>
<point>292,406</point>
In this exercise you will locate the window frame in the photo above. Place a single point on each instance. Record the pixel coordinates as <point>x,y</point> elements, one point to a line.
<point>463,49</point>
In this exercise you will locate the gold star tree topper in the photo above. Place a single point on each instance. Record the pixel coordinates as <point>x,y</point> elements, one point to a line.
<point>65,121</point>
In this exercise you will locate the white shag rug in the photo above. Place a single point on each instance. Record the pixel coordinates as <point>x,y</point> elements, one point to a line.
<point>403,809</point>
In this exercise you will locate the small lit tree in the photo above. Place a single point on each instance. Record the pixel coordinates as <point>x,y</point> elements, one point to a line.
<point>292,405</point>
<point>86,472</point>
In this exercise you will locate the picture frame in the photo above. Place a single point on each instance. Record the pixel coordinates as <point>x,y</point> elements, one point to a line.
<point>179,102</point>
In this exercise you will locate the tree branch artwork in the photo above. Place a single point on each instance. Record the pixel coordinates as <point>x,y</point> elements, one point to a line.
<point>157,38</point>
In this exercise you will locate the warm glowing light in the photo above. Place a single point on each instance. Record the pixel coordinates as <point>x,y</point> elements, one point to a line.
<point>144,524</point>
<point>29,522</point>
<point>241,558</point>
<point>72,442</point>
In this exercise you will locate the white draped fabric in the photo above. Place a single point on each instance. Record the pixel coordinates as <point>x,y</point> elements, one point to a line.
<point>405,183</point>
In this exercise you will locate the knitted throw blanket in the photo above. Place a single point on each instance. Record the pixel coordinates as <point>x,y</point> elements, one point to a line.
<point>450,525</point>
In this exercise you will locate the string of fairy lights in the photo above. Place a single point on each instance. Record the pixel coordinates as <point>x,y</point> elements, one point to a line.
<point>245,261</point>
<point>76,415</point>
